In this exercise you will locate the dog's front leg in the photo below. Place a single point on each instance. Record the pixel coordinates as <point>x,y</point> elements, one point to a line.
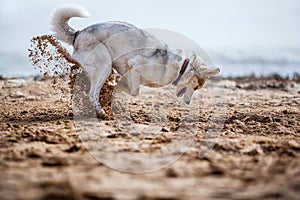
<point>129,83</point>
<point>133,78</point>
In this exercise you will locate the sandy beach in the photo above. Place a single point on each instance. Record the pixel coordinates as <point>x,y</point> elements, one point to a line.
<point>256,156</point>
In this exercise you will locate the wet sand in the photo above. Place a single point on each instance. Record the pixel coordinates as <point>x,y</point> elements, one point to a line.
<point>257,154</point>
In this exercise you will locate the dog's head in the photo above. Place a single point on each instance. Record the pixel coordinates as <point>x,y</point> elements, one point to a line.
<point>194,78</point>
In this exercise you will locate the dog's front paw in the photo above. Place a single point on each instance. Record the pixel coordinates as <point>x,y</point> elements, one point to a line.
<point>100,114</point>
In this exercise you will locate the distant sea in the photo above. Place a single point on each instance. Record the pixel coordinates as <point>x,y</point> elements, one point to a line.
<point>231,62</point>
<point>284,62</point>
<point>15,64</point>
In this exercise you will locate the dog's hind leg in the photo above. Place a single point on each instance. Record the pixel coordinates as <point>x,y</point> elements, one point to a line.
<point>96,86</point>
<point>98,65</point>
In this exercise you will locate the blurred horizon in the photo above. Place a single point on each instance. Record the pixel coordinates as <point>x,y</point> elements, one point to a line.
<point>243,37</point>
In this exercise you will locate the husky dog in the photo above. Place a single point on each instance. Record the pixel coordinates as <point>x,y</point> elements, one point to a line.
<point>134,53</point>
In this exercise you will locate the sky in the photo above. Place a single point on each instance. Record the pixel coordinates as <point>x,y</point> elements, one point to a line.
<point>216,25</point>
<point>211,23</point>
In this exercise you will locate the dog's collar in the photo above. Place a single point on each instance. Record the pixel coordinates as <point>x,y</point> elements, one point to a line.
<point>182,70</point>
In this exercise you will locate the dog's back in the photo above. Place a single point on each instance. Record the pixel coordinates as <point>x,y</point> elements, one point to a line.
<point>120,38</point>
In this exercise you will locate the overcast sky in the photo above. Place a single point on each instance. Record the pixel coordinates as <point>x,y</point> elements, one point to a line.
<point>214,24</point>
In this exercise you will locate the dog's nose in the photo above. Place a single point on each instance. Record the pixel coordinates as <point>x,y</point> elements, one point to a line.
<point>211,70</point>
<point>216,70</point>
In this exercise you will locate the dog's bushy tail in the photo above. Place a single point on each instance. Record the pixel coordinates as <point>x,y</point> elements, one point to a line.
<point>59,21</point>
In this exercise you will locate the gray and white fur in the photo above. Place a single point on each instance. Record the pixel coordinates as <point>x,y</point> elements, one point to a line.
<point>139,56</point>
